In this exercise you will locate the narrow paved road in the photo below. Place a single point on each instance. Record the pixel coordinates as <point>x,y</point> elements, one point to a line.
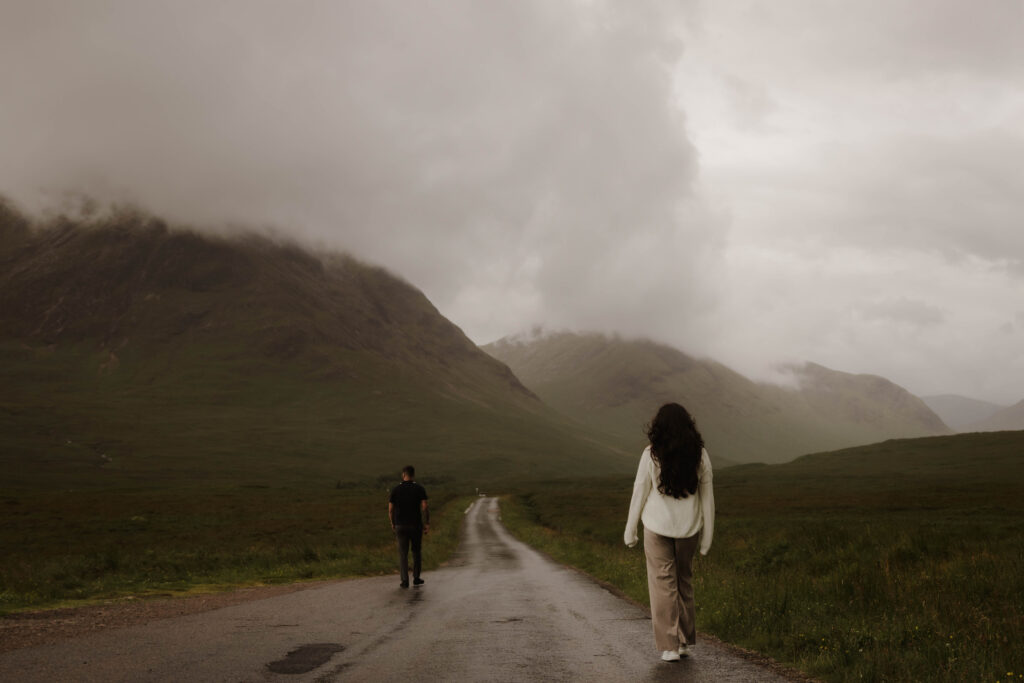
<point>499,612</point>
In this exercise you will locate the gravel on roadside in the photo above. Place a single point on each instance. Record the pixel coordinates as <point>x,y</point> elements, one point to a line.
<point>28,629</point>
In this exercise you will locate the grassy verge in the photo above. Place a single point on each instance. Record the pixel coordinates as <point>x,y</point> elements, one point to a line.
<point>883,590</point>
<point>78,547</point>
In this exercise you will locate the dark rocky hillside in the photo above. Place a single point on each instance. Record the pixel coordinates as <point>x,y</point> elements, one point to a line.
<point>132,347</point>
<point>132,281</point>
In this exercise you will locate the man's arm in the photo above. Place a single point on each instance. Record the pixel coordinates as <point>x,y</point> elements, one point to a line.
<point>391,514</point>
<point>426,515</point>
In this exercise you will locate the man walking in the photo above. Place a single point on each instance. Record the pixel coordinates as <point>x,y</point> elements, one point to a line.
<point>407,501</point>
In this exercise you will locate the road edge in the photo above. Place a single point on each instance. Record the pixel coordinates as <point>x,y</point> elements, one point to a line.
<point>753,656</point>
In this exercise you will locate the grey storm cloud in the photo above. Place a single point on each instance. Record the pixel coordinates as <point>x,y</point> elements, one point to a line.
<point>873,39</point>
<point>524,145</point>
<point>902,310</point>
<point>961,197</point>
<point>839,181</point>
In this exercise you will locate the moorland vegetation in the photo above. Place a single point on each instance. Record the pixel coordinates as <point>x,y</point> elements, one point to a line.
<point>898,561</point>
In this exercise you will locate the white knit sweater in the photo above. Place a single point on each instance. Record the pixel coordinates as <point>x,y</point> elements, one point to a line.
<point>668,516</point>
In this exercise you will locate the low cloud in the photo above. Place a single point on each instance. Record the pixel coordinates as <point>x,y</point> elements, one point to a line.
<point>522,162</point>
<point>875,205</point>
<point>760,182</point>
<point>901,310</point>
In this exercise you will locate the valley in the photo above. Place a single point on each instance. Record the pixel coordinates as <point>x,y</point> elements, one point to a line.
<point>184,412</point>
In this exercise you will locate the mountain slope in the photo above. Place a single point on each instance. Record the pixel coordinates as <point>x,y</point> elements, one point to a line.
<point>960,412</point>
<point>1007,419</point>
<point>615,385</point>
<point>133,351</point>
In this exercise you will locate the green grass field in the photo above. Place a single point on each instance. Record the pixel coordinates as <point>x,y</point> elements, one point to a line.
<point>64,548</point>
<point>896,562</point>
<point>217,415</point>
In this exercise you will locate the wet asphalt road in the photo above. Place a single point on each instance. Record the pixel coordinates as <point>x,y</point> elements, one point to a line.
<point>499,612</point>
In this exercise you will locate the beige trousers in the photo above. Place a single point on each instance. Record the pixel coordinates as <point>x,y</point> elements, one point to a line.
<point>670,585</point>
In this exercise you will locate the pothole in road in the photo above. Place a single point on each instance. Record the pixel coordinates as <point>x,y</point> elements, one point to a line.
<point>305,658</point>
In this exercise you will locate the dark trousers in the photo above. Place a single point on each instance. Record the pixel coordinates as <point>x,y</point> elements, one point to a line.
<point>409,535</point>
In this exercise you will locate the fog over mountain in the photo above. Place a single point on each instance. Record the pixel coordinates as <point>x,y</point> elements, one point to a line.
<point>756,182</point>
<point>132,351</point>
<point>1008,419</point>
<point>960,412</point>
<point>613,385</point>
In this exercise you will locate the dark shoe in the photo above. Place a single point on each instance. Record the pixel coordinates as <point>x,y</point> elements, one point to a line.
<point>404,584</point>
<point>418,582</point>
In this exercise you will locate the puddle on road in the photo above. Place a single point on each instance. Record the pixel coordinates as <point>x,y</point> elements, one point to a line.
<point>305,658</point>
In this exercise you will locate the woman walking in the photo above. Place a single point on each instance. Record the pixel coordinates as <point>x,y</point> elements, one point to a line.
<point>672,495</point>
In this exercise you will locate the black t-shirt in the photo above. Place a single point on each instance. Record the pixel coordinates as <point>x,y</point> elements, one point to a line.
<point>406,497</point>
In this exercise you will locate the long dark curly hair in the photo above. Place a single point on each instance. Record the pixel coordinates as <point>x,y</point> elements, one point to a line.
<point>676,446</point>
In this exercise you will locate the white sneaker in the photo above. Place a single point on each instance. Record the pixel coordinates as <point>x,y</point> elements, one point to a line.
<point>684,650</point>
<point>670,656</point>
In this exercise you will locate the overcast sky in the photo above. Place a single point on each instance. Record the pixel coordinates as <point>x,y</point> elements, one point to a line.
<point>755,181</point>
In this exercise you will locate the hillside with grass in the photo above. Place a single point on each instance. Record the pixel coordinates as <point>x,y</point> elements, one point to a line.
<point>138,354</point>
<point>614,385</point>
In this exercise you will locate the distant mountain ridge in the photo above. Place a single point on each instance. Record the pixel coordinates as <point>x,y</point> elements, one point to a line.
<point>1007,419</point>
<point>962,413</point>
<point>133,350</point>
<point>614,385</point>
